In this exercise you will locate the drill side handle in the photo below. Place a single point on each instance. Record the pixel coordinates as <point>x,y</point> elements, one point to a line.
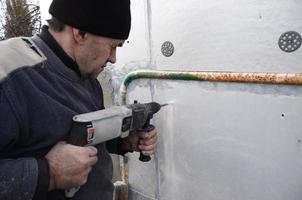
<point>143,157</point>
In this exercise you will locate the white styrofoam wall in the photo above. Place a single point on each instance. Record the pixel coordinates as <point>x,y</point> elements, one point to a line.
<point>221,141</point>
<point>236,35</point>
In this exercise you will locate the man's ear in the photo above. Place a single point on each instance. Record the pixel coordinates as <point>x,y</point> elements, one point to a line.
<point>78,35</point>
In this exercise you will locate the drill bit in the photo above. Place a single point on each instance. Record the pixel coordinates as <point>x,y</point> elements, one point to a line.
<point>163,105</point>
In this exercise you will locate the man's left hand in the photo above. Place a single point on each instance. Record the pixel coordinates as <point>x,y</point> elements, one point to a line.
<point>141,141</point>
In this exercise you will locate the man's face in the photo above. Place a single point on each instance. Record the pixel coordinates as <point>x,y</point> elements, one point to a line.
<point>94,52</point>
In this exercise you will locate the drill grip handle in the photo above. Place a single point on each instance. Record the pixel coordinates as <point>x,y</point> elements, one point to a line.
<point>143,157</point>
<point>79,133</point>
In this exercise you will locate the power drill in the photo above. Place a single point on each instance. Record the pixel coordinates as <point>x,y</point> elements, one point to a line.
<point>103,125</point>
<point>118,121</point>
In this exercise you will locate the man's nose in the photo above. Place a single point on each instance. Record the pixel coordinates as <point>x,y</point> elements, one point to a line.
<point>112,57</point>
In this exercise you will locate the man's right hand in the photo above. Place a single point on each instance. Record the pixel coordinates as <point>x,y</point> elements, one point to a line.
<point>70,165</point>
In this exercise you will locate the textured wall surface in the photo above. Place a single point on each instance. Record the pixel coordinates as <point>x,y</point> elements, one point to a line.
<point>219,140</point>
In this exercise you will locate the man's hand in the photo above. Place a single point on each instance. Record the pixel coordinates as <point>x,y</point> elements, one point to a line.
<point>70,165</point>
<point>141,141</point>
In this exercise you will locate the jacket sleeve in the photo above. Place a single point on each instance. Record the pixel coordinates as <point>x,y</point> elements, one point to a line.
<point>18,176</point>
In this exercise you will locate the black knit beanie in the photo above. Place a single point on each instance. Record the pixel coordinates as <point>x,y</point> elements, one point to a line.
<point>109,18</point>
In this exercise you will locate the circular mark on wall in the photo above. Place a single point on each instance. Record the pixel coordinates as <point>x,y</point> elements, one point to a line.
<point>290,41</point>
<point>167,49</point>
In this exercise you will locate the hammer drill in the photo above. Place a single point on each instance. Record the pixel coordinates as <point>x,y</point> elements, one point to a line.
<point>118,121</point>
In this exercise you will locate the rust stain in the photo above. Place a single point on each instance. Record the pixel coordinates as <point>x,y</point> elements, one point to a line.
<point>265,78</point>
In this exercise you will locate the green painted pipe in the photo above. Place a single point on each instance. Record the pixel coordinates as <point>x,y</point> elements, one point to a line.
<point>252,77</point>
